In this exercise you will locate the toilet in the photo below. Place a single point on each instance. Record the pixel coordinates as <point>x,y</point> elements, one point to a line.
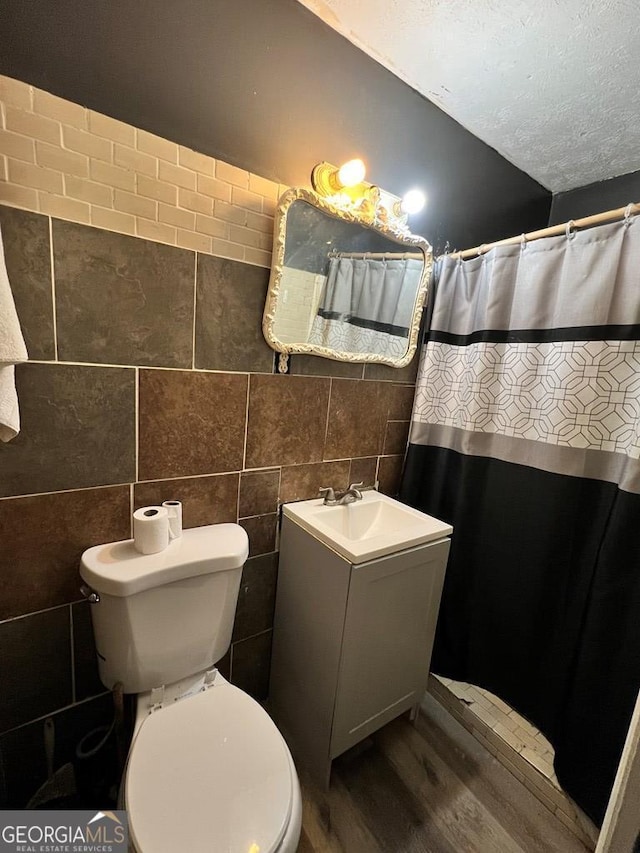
<point>207,769</point>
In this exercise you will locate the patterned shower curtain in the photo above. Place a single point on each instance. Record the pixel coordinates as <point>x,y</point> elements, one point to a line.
<point>367,305</point>
<point>526,437</point>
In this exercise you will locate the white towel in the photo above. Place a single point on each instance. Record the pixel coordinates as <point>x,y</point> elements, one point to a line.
<point>12,351</point>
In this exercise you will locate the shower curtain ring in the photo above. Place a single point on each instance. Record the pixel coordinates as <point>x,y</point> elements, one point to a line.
<point>523,240</point>
<point>481,249</point>
<point>627,213</point>
<point>569,229</point>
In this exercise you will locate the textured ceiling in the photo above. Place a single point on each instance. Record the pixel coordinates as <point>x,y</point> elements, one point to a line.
<point>553,86</point>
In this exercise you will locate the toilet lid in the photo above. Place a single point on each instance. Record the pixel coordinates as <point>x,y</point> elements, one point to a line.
<point>210,772</point>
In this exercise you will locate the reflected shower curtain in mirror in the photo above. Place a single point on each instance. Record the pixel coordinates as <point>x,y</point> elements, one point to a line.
<point>526,437</point>
<point>367,305</point>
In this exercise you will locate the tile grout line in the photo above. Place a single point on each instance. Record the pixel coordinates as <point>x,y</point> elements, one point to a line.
<point>56,711</point>
<point>137,419</point>
<point>258,515</point>
<point>326,425</point>
<point>66,362</point>
<point>53,292</point>
<point>246,426</point>
<point>259,633</point>
<point>267,468</point>
<point>38,612</point>
<point>131,484</point>
<point>278,512</point>
<point>384,436</point>
<point>67,491</point>
<point>195,294</point>
<point>73,657</point>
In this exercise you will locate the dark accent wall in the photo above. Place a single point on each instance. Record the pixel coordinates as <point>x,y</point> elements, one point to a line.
<point>269,87</point>
<point>595,198</point>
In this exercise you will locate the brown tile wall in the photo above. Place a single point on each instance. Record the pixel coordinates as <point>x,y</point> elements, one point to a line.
<point>149,380</point>
<point>162,388</point>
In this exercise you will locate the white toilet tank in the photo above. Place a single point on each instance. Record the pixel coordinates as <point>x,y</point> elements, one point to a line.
<point>162,617</point>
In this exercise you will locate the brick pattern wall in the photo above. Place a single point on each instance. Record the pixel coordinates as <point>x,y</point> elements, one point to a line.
<point>63,160</point>
<point>298,304</point>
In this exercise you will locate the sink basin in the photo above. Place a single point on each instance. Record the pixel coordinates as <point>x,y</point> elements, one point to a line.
<point>364,530</point>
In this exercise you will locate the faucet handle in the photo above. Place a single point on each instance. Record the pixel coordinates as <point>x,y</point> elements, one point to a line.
<point>327,493</point>
<point>355,490</point>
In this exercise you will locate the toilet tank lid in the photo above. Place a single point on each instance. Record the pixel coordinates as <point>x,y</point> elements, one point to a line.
<point>118,569</point>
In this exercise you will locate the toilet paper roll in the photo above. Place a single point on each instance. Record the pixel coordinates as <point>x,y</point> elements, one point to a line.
<point>174,508</point>
<point>150,529</point>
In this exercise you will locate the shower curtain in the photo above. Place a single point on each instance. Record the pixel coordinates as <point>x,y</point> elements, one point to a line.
<point>367,305</point>
<point>526,437</point>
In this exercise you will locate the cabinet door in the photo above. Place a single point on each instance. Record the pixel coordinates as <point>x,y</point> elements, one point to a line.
<point>390,624</point>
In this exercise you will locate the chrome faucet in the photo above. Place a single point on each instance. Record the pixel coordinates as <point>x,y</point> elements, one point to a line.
<point>333,498</point>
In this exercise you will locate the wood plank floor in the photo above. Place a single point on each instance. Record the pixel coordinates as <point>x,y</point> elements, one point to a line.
<point>431,788</point>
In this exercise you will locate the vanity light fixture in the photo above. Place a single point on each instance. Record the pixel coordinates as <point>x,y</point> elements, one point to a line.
<point>346,189</point>
<point>329,180</point>
<point>351,173</point>
<point>413,201</point>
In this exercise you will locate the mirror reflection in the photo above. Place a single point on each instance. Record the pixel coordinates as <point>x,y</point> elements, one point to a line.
<point>343,288</point>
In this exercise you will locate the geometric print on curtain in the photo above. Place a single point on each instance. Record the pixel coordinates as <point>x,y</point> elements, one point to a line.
<point>526,438</point>
<point>580,395</point>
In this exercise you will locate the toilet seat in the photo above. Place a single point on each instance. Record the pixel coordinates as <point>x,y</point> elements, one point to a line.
<point>210,772</point>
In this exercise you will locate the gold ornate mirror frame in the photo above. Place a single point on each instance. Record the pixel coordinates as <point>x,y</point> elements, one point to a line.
<point>399,235</point>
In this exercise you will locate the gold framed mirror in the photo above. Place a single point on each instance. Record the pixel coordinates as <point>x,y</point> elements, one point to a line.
<point>344,285</point>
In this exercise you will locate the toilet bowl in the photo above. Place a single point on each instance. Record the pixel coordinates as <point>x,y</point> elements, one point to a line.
<point>207,769</point>
<point>209,765</point>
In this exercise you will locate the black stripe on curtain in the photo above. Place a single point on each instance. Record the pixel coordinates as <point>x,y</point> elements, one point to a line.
<point>376,325</point>
<point>538,336</point>
<point>548,618</point>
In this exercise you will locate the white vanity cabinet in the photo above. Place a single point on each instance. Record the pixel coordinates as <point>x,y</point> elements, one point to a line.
<point>352,643</point>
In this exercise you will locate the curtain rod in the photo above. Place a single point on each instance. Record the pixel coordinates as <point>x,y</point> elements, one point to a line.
<point>552,231</point>
<point>379,256</point>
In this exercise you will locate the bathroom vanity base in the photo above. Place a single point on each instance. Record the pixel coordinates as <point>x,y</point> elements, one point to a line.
<point>352,643</point>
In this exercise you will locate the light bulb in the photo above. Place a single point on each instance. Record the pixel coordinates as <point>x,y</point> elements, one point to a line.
<point>413,201</point>
<point>351,173</point>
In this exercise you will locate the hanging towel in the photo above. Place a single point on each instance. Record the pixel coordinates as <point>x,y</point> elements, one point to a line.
<point>12,351</point>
